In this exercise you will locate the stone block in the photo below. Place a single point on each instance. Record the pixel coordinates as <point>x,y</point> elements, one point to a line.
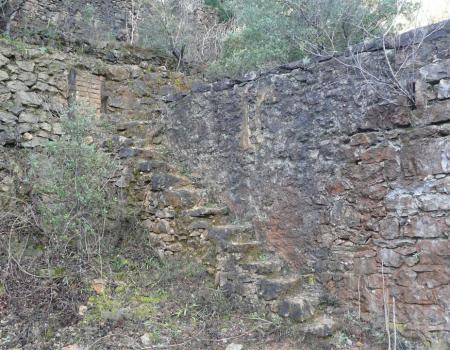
<point>3,60</point>
<point>427,157</point>
<point>28,99</point>
<point>434,202</point>
<point>390,257</point>
<point>7,118</point>
<point>389,228</point>
<point>16,85</point>
<point>401,202</point>
<point>425,227</point>
<point>28,117</point>
<point>27,66</point>
<point>443,90</point>
<point>3,75</point>
<point>436,71</point>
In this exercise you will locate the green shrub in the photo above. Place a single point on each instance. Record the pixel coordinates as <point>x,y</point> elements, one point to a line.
<point>223,13</point>
<point>70,185</point>
<point>269,32</point>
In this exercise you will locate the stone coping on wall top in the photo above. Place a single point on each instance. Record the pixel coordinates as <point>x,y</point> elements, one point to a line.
<point>411,37</point>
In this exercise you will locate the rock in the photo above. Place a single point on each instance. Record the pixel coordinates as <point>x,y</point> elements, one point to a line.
<point>436,71</point>
<point>234,346</point>
<point>434,202</point>
<point>123,182</point>
<point>7,118</point>
<point>322,327</point>
<point>176,247</point>
<point>28,99</point>
<point>128,152</point>
<point>27,136</point>
<point>28,117</point>
<point>25,127</point>
<point>199,225</point>
<point>27,78</point>
<point>298,309</point>
<point>82,309</point>
<point>35,142</point>
<point>7,138</point>
<point>40,86</point>
<point>4,97</point>
<point>16,85</point>
<point>165,214</point>
<point>57,129</point>
<point>199,86</point>
<point>389,228</point>
<point>425,227</point>
<point>180,199</point>
<point>390,258</point>
<point>146,340</point>
<point>117,73</point>
<point>148,166</point>
<point>207,211</point>
<point>162,181</point>
<point>3,75</point>
<point>273,288</point>
<point>45,127</point>
<point>71,347</point>
<point>3,60</point>
<point>27,66</point>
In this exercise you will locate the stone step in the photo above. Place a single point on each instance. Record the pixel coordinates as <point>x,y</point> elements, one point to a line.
<point>207,211</point>
<point>275,288</point>
<point>163,181</point>
<point>243,247</point>
<point>232,232</point>
<point>122,126</point>
<point>140,153</point>
<point>150,166</point>
<point>322,326</point>
<point>298,308</point>
<point>263,267</point>
<point>184,198</point>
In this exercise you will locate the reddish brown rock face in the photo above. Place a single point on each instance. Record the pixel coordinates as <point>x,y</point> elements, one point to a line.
<point>339,181</point>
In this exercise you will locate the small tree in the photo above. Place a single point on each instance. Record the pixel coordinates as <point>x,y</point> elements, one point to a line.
<point>184,29</point>
<point>134,19</point>
<point>269,32</point>
<point>71,190</point>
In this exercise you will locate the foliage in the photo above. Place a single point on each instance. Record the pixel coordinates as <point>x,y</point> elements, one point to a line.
<point>223,13</point>
<point>271,32</point>
<point>177,28</point>
<point>70,185</point>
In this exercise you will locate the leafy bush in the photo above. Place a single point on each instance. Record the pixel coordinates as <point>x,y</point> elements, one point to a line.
<point>174,27</point>
<point>271,32</point>
<point>223,13</point>
<point>70,185</point>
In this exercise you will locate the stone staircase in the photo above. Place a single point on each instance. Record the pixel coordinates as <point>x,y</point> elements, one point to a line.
<point>180,216</point>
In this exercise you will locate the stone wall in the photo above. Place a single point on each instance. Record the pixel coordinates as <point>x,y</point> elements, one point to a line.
<point>336,176</point>
<point>342,177</point>
<point>95,20</point>
<point>33,94</point>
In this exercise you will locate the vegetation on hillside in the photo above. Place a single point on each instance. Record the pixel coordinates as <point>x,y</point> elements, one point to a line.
<point>246,35</point>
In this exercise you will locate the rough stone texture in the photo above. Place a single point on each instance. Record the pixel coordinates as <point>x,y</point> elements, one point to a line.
<point>336,176</point>
<point>96,19</point>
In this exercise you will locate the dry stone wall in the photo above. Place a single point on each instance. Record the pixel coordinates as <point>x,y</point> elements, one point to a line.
<point>336,177</point>
<point>346,181</point>
<point>96,20</point>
